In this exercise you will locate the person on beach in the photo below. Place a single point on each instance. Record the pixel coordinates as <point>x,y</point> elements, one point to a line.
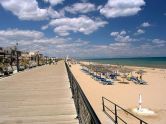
<point>140,76</point>
<point>137,78</point>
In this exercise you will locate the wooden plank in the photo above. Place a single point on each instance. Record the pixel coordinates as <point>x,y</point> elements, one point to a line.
<point>38,96</point>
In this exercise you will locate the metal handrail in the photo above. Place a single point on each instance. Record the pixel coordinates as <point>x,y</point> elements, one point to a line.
<point>115,113</point>
<point>95,119</point>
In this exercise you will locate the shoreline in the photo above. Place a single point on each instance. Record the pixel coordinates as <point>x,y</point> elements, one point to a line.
<point>130,66</point>
<point>118,64</point>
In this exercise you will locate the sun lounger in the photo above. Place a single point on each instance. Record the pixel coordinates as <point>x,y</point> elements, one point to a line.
<point>85,70</point>
<point>8,70</point>
<point>1,72</point>
<point>134,79</point>
<point>106,81</point>
<point>21,68</point>
<point>142,82</point>
<point>112,76</point>
<point>98,78</point>
<point>137,81</point>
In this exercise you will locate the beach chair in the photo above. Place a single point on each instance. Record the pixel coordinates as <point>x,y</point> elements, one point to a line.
<point>134,79</point>
<point>85,70</point>
<point>7,70</point>
<point>106,81</point>
<point>21,68</point>
<point>98,78</point>
<point>112,76</point>
<point>1,72</point>
<point>138,81</point>
<point>142,82</point>
<point>128,78</point>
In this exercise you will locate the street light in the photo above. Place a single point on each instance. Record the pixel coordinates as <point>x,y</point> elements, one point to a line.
<point>37,58</point>
<point>17,57</point>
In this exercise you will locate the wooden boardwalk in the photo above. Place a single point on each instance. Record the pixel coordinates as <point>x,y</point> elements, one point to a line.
<point>37,96</point>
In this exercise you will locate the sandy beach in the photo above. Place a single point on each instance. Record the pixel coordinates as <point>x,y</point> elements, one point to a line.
<point>127,95</point>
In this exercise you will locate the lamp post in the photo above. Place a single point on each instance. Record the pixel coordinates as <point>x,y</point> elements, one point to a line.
<point>38,58</point>
<point>17,57</point>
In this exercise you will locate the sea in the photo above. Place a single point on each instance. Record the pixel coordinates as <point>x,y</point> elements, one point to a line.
<point>154,62</point>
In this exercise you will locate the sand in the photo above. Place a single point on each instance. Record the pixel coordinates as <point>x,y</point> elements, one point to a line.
<point>127,95</point>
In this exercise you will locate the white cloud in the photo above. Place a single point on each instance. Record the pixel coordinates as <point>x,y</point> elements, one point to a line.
<point>121,36</point>
<point>159,42</point>
<point>54,14</point>
<point>114,33</point>
<point>82,24</point>
<point>54,2</point>
<point>19,34</point>
<point>99,7</point>
<point>123,33</point>
<point>44,27</point>
<point>25,9</point>
<point>156,46</point>
<point>24,37</point>
<point>31,40</point>
<point>118,45</point>
<point>121,8</point>
<point>80,8</point>
<point>145,24</point>
<point>139,31</point>
<point>129,49</point>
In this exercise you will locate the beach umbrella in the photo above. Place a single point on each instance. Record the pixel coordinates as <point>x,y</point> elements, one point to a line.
<point>82,64</point>
<point>124,70</point>
<point>100,69</point>
<point>140,71</point>
<point>114,67</point>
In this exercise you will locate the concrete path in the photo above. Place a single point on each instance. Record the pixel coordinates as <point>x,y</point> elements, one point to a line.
<point>38,96</point>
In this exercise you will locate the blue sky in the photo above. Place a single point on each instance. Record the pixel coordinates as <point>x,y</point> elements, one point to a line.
<point>85,28</point>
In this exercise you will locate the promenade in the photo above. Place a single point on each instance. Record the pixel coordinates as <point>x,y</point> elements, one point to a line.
<point>37,96</point>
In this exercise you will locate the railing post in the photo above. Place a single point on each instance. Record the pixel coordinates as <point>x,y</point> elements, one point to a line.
<point>116,117</point>
<point>103,103</point>
<point>140,121</point>
<point>77,99</point>
<point>17,63</point>
<point>71,85</point>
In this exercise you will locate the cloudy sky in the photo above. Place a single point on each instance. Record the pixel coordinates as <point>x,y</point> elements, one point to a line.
<point>85,28</point>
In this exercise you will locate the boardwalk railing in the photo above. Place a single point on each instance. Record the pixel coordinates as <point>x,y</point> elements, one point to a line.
<point>107,104</point>
<point>85,112</point>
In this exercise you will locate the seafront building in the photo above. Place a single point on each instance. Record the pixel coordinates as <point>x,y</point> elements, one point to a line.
<point>11,58</point>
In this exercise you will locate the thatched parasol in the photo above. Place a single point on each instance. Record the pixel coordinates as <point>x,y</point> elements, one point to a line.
<point>140,72</point>
<point>124,70</point>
